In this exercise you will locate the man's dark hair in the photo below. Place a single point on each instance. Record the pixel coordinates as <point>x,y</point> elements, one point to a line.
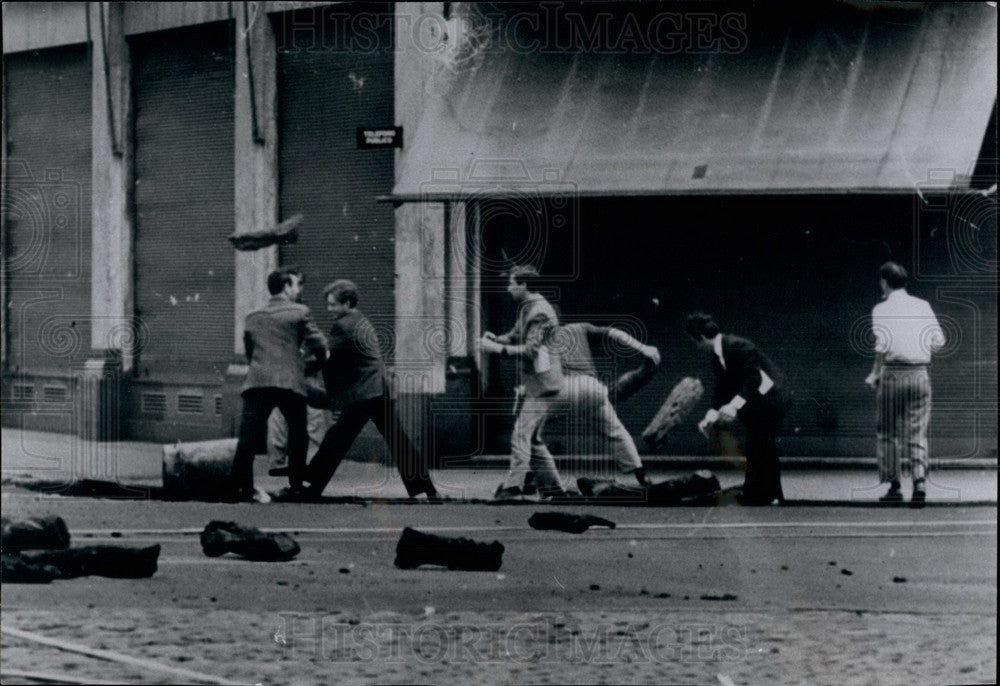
<point>701,325</point>
<point>343,291</point>
<point>277,279</point>
<point>894,274</point>
<point>525,274</point>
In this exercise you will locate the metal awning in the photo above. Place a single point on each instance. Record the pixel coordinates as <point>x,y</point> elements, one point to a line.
<point>862,100</point>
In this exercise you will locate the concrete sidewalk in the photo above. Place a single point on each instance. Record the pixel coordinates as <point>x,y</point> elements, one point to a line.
<point>36,456</point>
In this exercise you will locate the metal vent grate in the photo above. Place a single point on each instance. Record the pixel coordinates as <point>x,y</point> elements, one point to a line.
<point>218,405</point>
<point>189,404</point>
<point>24,391</point>
<point>154,403</point>
<point>55,394</point>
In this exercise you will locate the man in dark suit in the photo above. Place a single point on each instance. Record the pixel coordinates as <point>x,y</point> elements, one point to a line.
<point>273,339</point>
<point>747,386</point>
<point>356,385</point>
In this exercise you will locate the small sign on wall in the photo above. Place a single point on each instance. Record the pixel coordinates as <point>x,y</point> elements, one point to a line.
<point>380,137</point>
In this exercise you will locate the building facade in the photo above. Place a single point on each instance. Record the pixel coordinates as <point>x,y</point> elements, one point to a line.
<point>650,159</point>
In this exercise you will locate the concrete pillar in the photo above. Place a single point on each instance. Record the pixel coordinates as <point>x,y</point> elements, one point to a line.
<point>256,151</point>
<point>3,228</point>
<point>422,330</point>
<point>437,301</point>
<point>256,180</point>
<point>421,325</point>
<point>116,336</point>
<point>474,293</point>
<point>456,285</point>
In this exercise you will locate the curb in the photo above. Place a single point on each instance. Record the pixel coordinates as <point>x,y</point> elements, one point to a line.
<point>693,463</point>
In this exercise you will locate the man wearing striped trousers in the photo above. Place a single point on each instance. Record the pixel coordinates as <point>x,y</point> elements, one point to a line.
<point>906,333</point>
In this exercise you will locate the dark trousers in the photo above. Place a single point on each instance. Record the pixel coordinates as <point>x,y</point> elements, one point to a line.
<point>339,438</point>
<point>257,406</point>
<point>762,483</point>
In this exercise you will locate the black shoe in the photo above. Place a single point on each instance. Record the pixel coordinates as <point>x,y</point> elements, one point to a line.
<point>504,493</point>
<point>894,495</point>
<point>919,499</point>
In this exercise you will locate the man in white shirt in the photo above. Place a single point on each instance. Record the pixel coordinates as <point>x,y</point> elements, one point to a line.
<point>906,333</point>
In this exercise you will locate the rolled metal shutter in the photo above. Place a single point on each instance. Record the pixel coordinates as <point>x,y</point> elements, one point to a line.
<point>47,204</point>
<point>184,267</point>
<point>326,90</point>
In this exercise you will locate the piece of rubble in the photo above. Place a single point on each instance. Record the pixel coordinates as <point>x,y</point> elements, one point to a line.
<point>15,570</point>
<point>219,538</point>
<point>564,521</point>
<point>116,562</point>
<point>34,533</point>
<point>282,234</point>
<point>698,488</point>
<point>416,548</point>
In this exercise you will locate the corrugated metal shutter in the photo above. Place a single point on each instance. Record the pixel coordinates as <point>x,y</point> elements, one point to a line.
<point>184,198</point>
<point>326,90</point>
<point>795,274</point>
<point>48,209</point>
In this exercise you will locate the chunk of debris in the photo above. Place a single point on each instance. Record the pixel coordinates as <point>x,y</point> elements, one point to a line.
<point>34,533</point>
<point>115,562</point>
<point>16,570</point>
<point>416,548</point>
<point>219,538</point>
<point>282,234</point>
<point>564,521</point>
<point>724,596</point>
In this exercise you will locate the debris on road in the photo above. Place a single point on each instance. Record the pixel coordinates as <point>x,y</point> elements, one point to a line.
<point>846,572</point>
<point>899,579</point>
<point>115,562</point>
<point>16,571</point>
<point>36,551</point>
<point>564,521</point>
<point>34,533</point>
<point>416,548</point>
<point>700,488</point>
<point>724,596</point>
<point>697,488</point>
<point>198,470</point>
<point>219,538</point>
